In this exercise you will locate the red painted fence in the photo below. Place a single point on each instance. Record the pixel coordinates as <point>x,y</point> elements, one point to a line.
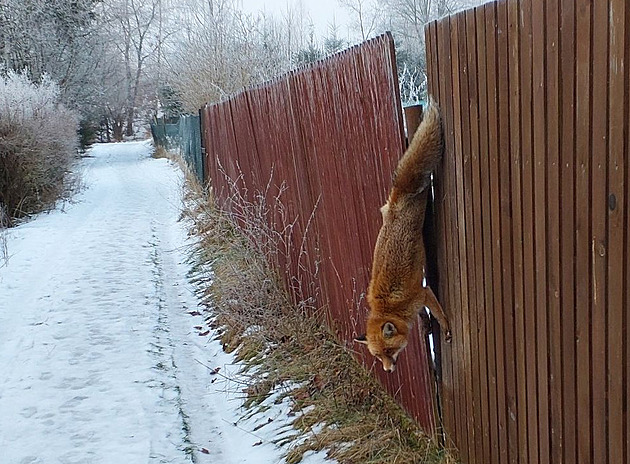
<point>328,137</point>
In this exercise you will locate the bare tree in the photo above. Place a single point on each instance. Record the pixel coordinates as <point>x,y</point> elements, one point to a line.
<point>407,20</point>
<point>134,32</point>
<point>366,14</point>
<point>219,49</point>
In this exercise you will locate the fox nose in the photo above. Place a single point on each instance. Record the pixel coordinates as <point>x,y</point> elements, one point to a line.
<point>389,368</point>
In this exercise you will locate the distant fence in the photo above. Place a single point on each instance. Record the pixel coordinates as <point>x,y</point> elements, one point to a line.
<point>328,136</point>
<point>184,136</point>
<point>190,144</point>
<point>165,132</point>
<point>532,229</point>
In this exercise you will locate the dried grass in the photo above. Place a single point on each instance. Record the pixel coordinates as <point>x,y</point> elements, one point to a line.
<point>338,406</point>
<point>161,152</point>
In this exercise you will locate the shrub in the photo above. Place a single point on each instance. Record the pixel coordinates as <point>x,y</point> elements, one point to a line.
<point>38,142</point>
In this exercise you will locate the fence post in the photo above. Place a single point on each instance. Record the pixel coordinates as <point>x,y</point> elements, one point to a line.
<point>413,117</point>
<point>202,141</point>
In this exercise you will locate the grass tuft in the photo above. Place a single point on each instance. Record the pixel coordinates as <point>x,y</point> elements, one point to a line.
<point>161,152</point>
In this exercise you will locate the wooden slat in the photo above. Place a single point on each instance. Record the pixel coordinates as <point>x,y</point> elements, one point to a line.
<point>599,169</point>
<point>552,98</point>
<point>529,269</point>
<point>582,227</point>
<point>430,39</point>
<point>540,221</point>
<point>484,316</point>
<point>487,321</point>
<point>444,197</point>
<point>464,200</point>
<point>617,267</point>
<point>498,370</point>
<point>450,195</point>
<point>435,226</point>
<point>505,213</point>
<point>457,318</point>
<point>626,251</point>
<point>470,112</point>
<point>520,347</point>
<point>567,228</point>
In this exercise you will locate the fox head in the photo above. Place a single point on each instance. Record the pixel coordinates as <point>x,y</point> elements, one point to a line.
<point>385,339</point>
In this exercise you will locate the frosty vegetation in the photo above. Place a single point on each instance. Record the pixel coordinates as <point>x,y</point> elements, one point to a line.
<point>38,137</point>
<point>115,64</point>
<point>119,62</point>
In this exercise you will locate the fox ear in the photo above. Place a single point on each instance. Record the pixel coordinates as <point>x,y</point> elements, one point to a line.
<point>389,330</point>
<point>361,339</point>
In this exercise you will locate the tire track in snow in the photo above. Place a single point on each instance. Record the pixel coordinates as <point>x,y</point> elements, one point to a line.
<point>163,351</point>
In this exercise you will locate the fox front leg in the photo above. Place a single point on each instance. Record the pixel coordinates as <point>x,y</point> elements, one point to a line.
<point>431,302</point>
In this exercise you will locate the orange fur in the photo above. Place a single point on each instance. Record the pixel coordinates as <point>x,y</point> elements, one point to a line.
<point>395,294</point>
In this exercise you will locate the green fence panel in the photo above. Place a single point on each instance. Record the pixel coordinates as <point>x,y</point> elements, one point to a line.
<point>190,144</point>
<point>183,136</point>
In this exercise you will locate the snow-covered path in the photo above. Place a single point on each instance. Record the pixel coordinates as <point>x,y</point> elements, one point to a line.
<point>99,361</point>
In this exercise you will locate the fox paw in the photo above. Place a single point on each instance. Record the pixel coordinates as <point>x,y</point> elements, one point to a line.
<point>448,336</point>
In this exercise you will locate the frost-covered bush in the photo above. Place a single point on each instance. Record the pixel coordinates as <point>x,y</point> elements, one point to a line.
<point>38,140</point>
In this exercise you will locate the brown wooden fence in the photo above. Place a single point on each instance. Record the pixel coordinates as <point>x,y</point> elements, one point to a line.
<point>329,137</point>
<point>533,241</point>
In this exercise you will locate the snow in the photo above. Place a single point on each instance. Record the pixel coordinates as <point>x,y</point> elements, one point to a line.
<point>99,358</point>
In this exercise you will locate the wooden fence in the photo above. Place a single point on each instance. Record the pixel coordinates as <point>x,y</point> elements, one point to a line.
<point>532,226</point>
<point>318,147</point>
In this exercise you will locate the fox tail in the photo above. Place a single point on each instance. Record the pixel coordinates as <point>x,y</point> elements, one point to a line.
<point>413,172</point>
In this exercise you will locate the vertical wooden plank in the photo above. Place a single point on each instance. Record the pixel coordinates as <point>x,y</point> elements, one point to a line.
<point>453,152</point>
<point>529,269</point>
<point>433,34</point>
<point>462,124</point>
<point>540,221</point>
<point>521,412</point>
<point>553,227</point>
<point>505,230</point>
<point>582,229</point>
<point>430,56</point>
<point>626,249</point>
<point>471,112</point>
<point>449,381</point>
<point>485,316</point>
<point>616,213</point>
<point>567,228</point>
<point>599,252</point>
<point>485,27</point>
<point>444,195</point>
<point>413,117</point>
<point>442,357</point>
<point>435,230</point>
<point>495,202</point>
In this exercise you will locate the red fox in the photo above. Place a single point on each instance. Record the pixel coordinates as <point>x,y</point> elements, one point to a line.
<point>396,294</point>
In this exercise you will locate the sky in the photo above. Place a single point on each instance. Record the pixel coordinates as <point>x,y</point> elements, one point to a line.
<point>322,12</point>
